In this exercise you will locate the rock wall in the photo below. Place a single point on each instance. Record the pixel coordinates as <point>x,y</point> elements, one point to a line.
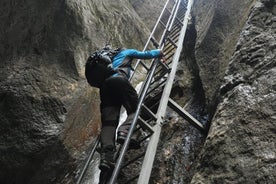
<point>240,146</point>
<point>148,15</point>
<point>218,25</point>
<point>48,113</point>
<point>227,71</point>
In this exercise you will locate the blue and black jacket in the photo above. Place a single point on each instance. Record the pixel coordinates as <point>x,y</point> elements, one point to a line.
<point>122,61</point>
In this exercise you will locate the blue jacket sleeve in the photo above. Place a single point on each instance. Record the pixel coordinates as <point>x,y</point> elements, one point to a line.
<point>143,55</point>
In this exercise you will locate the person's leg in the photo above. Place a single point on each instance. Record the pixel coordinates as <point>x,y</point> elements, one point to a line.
<point>130,102</point>
<point>109,124</point>
<point>124,94</point>
<point>129,99</point>
<point>110,112</point>
<point>110,118</point>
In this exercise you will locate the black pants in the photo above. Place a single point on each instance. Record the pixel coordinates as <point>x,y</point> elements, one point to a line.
<point>116,92</point>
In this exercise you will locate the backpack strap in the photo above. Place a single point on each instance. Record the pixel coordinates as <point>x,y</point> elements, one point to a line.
<point>125,68</point>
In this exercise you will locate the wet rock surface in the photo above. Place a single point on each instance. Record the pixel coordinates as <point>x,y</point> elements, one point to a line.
<point>240,147</point>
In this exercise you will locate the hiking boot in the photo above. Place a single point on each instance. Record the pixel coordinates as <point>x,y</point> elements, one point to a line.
<point>121,137</point>
<point>107,158</point>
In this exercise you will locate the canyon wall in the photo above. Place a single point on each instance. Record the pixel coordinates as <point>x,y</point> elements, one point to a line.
<point>240,146</point>
<point>48,113</point>
<point>49,116</point>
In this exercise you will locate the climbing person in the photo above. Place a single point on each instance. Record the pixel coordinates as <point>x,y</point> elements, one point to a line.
<point>117,91</point>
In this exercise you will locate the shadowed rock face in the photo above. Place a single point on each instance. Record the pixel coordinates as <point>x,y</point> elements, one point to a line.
<point>48,113</point>
<point>218,25</point>
<point>240,147</point>
<point>229,60</point>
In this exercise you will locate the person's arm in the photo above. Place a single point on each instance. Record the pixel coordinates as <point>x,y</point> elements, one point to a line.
<point>144,55</point>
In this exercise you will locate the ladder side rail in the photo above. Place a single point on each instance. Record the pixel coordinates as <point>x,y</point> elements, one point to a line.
<point>167,32</point>
<point>164,34</point>
<point>88,160</point>
<point>169,23</point>
<point>141,99</point>
<point>183,113</point>
<point>133,125</point>
<point>175,30</point>
<point>170,26</point>
<point>163,38</point>
<point>152,147</point>
<point>161,42</point>
<point>151,36</point>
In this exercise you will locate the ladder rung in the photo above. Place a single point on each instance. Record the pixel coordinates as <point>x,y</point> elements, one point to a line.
<point>168,10</point>
<point>181,14</point>
<point>160,73</point>
<point>165,66</point>
<point>175,33</point>
<point>172,104</point>
<point>170,56</point>
<point>154,42</point>
<point>179,21</point>
<point>156,79</point>
<point>157,86</point>
<point>162,23</point>
<point>149,112</point>
<point>162,70</point>
<point>184,4</point>
<point>144,125</point>
<point>168,46</point>
<point>172,41</point>
<point>155,104</point>
<point>169,51</point>
<point>174,37</point>
<point>183,10</point>
<point>154,100</point>
<point>144,65</point>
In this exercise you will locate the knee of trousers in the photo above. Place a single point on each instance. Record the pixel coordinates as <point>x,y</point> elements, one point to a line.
<point>131,107</point>
<point>110,116</point>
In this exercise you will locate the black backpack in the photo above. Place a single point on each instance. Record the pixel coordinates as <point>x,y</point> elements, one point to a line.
<point>98,66</point>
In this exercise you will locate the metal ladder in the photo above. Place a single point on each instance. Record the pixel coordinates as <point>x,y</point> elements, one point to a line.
<point>170,32</point>
<point>154,97</point>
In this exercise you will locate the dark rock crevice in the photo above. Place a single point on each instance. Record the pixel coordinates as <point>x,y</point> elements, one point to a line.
<point>190,71</point>
<point>218,25</point>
